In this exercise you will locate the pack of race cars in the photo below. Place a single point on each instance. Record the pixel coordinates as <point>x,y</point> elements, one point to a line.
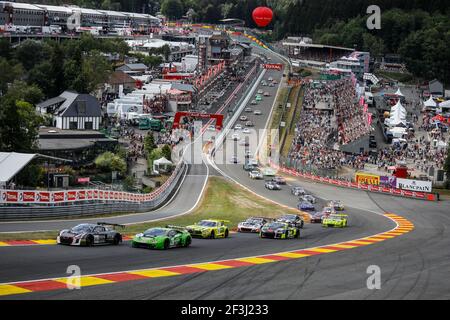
<point>287,226</point>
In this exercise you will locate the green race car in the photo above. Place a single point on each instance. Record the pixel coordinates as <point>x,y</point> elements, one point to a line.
<point>335,221</point>
<point>162,238</point>
<point>211,229</point>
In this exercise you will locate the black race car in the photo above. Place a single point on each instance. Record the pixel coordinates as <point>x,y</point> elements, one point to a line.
<point>292,219</point>
<point>279,230</point>
<point>87,234</point>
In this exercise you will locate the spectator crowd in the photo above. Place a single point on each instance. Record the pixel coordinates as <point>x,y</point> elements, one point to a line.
<point>330,117</point>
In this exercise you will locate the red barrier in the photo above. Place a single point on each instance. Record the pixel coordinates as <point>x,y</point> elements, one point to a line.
<point>364,187</point>
<point>53,197</point>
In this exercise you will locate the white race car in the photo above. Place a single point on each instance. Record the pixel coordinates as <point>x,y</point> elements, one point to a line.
<point>256,175</point>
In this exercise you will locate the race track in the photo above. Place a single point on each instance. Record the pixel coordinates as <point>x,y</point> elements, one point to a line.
<point>413,266</point>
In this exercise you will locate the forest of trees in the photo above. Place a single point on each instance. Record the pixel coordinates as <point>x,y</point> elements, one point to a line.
<point>38,70</point>
<point>416,29</point>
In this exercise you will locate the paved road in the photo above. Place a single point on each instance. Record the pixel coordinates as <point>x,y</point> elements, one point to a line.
<point>413,266</point>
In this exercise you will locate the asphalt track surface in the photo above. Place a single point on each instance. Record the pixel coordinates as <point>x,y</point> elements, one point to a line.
<point>413,266</point>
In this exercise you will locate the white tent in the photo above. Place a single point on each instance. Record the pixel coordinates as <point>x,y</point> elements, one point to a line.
<point>430,103</point>
<point>397,118</point>
<point>399,93</point>
<point>398,106</point>
<point>162,165</point>
<point>445,104</point>
<point>398,133</point>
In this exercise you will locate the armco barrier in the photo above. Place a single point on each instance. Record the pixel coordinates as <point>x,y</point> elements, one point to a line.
<point>63,204</point>
<point>352,185</point>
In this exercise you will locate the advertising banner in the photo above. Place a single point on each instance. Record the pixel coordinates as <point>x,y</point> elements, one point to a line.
<point>414,185</point>
<point>388,182</point>
<point>273,66</point>
<point>370,179</point>
<point>28,196</point>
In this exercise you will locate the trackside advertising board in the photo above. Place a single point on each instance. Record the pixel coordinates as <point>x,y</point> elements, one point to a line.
<point>414,185</point>
<point>369,179</point>
<point>273,66</point>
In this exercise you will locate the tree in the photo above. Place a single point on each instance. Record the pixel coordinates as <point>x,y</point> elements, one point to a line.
<point>173,9</point>
<point>149,143</point>
<point>152,61</point>
<point>108,162</point>
<point>31,53</point>
<point>31,176</point>
<point>19,90</point>
<point>95,70</point>
<point>167,152</point>
<point>9,73</point>
<point>19,124</point>
<point>5,48</point>
<point>154,155</point>
<point>40,75</point>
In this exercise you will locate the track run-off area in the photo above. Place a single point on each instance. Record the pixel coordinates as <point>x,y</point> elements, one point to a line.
<point>407,239</point>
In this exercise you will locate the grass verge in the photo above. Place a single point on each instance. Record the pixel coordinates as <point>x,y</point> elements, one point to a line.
<point>222,200</point>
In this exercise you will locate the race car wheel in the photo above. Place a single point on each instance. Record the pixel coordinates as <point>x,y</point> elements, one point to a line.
<point>226,233</point>
<point>117,240</point>
<point>166,244</point>
<point>213,235</point>
<point>188,242</point>
<point>89,241</point>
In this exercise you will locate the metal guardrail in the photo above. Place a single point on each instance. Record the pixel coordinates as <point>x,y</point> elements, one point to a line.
<point>91,209</point>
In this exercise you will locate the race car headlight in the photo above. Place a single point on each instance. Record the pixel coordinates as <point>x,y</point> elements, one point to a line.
<point>140,235</point>
<point>79,236</point>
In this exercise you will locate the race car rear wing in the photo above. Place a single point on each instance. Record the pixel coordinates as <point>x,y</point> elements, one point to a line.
<point>107,224</point>
<point>176,227</point>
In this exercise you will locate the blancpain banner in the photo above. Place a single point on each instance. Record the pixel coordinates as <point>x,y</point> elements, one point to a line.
<point>414,185</point>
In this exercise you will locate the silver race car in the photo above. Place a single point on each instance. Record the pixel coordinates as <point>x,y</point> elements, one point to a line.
<point>253,224</point>
<point>87,234</point>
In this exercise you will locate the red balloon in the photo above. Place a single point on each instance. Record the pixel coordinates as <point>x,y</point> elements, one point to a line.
<point>262,16</point>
